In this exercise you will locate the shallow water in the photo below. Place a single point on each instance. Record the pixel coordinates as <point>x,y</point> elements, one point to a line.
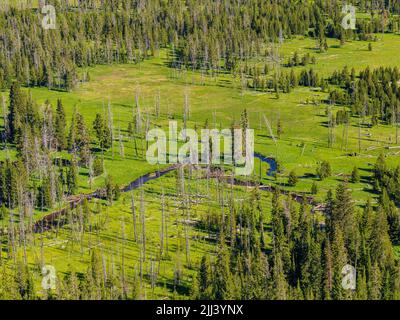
<point>273,165</point>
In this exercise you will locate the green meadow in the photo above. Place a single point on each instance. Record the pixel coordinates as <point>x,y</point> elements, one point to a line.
<point>219,100</point>
<point>110,232</point>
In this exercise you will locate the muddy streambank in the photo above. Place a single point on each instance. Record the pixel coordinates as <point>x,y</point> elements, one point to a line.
<point>59,218</point>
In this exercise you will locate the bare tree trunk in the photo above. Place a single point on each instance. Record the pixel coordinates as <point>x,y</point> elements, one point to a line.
<point>5,117</point>
<point>121,144</point>
<point>134,217</point>
<point>111,126</point>
<point>91,172</point>
<point>359,134</point>
<point>162,225</point>
<point>143,221</point>
<point>123,280</point>
<point>157,99</point>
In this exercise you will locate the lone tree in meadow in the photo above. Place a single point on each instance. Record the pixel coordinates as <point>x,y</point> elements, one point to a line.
<point>102,130</point>
<point>60,125</point>
<point>279,129</point>
<point>324,170</point>
<point>355,176</point>
<point>292,179</point>
<point>314,188</point>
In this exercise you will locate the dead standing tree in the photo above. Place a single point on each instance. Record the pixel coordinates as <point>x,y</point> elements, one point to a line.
<point>143,222</point>
<point>162,225</point>
<point>184,202</point>
<point>5,117</point>
<point>133,210</point>
<point>157,99</point>
<point>111,126</point>
<point>121,144</point>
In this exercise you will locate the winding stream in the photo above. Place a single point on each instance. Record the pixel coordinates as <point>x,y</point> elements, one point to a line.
<point>57,218</point>
<point>273,165</point>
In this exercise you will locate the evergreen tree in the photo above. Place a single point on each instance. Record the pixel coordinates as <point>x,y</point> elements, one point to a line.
<point>355,176</point>
<point>102,131</point>
<point>16,112</point>
<point>72,178</point>
<point>223,287</point>
<point>292,179</point>
<point>204,279</point>
<point>314,188</point>
<point>60,126</point>
<point>324,170</point>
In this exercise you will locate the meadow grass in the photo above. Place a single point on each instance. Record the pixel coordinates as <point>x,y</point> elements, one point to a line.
<point>115,238</point>
<point>302,112</point>
<point>303,144</point>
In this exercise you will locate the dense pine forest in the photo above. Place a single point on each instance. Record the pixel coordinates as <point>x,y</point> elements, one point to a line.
<point>84,216</point>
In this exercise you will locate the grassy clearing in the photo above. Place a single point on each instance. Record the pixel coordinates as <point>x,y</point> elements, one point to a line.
<point>302,145</point>
<point>110,231</point>
<point>305,135</point>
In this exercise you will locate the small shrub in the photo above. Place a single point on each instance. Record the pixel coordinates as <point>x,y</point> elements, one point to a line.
<point>98,168</point>
<point>355,176</point>
<point>292,180</point>
<point>324,170</point>
<point>314,188</point>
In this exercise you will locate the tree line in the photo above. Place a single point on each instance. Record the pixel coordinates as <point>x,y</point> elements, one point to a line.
<point>305,256</point>
<point>208,35</point>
